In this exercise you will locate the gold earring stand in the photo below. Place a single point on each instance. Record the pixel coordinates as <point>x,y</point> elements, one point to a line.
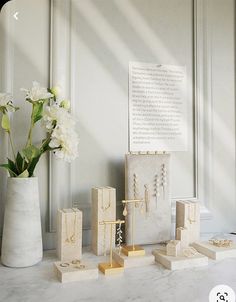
<point>111,267</point>
<point>133,250</point>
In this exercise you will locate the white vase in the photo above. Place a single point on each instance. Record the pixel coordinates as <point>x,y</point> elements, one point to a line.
<point>22,234</point>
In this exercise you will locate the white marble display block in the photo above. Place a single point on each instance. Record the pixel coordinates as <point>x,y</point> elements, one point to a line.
<point>188,216</point>
<point>180,262</point>
<point>69,234</point>
<point>134,261</point>
<point>173,248</point>
<point>71,273</point>
<point>103,209</point>
<point>154,225</point>
<point>182,234</point>
<point>215,252</point>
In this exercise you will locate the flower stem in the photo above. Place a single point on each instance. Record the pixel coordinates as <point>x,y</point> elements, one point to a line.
<point>29,139</point>
<point>12,145</point>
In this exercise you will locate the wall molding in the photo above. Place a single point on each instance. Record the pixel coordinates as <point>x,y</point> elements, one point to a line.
<point>62,71</point>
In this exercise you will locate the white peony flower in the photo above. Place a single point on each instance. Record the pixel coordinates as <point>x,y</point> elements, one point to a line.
<point>37,93</point>
<point>55,115</point>
<point>66,140</point>
<point>61,124</point>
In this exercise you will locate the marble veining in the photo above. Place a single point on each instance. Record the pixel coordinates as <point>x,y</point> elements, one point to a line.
<point>144,284</point>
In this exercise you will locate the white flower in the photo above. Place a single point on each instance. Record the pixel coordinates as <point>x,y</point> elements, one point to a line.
<point>6,102</point>
<point>5,98</point>
<point>37,93</point>
<point>66,140</point>
<point>56,90</point>
<point>55,115</point>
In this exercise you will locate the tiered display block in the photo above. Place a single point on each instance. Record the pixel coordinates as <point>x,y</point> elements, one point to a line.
<point>152,225</point>
<point>179,262</point>
<point>103,208</point>
<point>188,217</point>
<point>134,261</point>
<point>215,252</point>
<point>71,273</point>
<point>69,234</point>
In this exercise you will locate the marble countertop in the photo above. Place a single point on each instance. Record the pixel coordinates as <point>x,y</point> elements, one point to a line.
<point>150,283</point>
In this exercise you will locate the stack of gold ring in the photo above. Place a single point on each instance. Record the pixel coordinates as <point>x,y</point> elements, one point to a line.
<point>221,242</point>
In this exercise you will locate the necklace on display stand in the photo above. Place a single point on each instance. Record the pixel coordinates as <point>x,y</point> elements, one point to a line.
<point>191,218</point>
<point>104,208</point>
<point>70,238</point>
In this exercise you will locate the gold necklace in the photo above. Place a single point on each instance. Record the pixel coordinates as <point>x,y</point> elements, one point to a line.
<point>71,239</point>
<point>109,204</point>
<point>190,212</point>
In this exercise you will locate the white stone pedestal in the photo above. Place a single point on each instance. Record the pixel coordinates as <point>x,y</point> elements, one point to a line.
<point>134,261</point>
<point>215,252</point>
<point>180,262</point>
<point>71,273</point>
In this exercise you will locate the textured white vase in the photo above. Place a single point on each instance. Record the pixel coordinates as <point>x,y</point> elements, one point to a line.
<point>22,235</point>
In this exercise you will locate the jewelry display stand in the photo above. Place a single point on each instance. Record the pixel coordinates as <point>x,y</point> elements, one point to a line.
<point>178,254</point>
<point>71,267</point>
<point>181,261</point>
<point>215,252</point>
<point>69,272</point>
<point>132,255</point>
<point>111,267</point>
<point>188,218</point>
<point>69,234</point>
<point>147,177</point>
<point>103,209</point>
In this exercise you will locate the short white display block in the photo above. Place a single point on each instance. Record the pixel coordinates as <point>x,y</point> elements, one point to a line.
<point>69,234</point>
<point>215,252</point>
<point>153,223</point>
<point>103,209</point>
<point>71,273</point>
<point>188,216</point>
<point>180,262</point>
<point>134,261</point>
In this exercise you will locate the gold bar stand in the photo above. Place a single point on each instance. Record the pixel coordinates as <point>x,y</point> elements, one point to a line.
<point>111,267</point>
<point>133,250</point>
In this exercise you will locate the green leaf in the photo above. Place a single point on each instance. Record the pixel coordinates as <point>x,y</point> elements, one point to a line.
<point>31,152</point>
<point>32,165</point>
<point>24,174</point>
<point>5,122</point>
<point>6,166</point>
<point>37,111</point>
<point>12,166</point>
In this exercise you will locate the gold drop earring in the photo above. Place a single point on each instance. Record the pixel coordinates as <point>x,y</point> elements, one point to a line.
<point>164,179</point>
<point>119,237</point>
<point>125,211</point>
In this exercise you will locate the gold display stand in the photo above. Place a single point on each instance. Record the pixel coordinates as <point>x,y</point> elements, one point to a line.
<point>133,250</point>
<point>111,267</point>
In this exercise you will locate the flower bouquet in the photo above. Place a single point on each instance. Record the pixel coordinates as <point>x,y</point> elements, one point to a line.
<point>22,238</point>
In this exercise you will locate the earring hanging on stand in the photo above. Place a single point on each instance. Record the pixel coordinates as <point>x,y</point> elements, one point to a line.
<point>147,200</point>
<point>157,188</point>
<point>119,237</point>
<point>125,211</point>
<point>164,179</point>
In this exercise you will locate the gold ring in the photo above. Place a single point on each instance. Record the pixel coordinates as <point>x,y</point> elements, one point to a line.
<point>65,264</point>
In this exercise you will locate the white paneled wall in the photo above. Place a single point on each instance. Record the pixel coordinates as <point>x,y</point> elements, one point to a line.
<point>105,35</point>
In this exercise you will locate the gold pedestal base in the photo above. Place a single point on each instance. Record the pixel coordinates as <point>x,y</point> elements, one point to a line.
<point>107,269</point>
<point>130,251</point>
